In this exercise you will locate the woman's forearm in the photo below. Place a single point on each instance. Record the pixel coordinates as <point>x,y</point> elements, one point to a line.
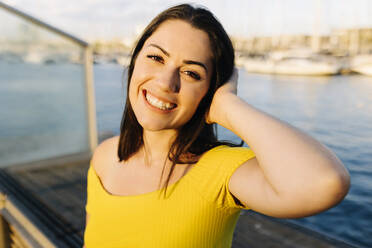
<point>291,160</point>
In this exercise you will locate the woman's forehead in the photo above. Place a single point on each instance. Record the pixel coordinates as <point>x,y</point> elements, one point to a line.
<point>179,38</point>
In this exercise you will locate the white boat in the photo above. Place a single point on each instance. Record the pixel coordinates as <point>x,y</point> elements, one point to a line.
<point>305,67</point>
<point>33,58</point>
<point>362,64</point>
<point>290,63</point>
<point>259,66</point>
<point>365,69</point>
<point>123,60</point>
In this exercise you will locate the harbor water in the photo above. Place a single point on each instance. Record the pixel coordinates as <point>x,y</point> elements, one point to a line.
<point>335,110</point>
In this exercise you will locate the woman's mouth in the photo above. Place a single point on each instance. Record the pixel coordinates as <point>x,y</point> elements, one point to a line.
<point>157,103</point>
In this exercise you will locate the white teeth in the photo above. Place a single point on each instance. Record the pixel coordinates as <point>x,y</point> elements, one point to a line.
<point>159,104</point>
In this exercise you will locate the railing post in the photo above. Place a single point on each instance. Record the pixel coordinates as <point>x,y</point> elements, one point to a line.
<point>88,64</point>
<point>4,226</point>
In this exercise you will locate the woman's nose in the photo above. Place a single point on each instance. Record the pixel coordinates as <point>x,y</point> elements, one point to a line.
<point>169,80</point>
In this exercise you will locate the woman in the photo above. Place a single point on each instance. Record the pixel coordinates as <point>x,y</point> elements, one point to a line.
<point>178,88</point>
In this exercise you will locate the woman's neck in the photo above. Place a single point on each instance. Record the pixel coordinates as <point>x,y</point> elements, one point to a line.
<point>156,146</point>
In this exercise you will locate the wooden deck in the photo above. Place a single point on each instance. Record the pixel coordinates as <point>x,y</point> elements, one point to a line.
<point>61,190</point>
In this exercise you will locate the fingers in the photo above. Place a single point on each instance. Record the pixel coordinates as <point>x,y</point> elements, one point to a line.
<point>207,120</point>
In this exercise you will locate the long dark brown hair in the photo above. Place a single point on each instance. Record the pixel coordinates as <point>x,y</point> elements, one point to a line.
<point>196,136</point>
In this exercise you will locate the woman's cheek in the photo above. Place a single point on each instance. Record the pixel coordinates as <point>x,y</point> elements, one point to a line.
<point>131,94</point>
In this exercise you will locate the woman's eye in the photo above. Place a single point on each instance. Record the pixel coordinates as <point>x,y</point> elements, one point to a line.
<point>155,57</point>
<point>192,74</point>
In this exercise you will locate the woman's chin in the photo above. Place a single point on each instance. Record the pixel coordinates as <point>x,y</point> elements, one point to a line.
<point>153,126</point>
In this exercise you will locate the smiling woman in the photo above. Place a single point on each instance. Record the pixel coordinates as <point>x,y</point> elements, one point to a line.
<point>181,83</point>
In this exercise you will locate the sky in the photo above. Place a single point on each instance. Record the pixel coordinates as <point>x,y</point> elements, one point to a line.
<point>107,19</point>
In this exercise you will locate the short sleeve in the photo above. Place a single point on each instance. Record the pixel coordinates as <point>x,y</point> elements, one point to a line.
<point>90,189</point>
<point>241,155</point>
<point>216,168</point>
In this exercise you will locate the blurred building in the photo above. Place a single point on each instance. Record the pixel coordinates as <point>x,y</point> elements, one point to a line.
<point>339,42</point>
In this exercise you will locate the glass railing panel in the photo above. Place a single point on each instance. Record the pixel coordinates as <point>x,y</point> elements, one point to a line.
<point>43,105</point>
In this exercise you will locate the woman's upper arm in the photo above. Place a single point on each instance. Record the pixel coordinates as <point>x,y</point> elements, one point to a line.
<point>249,184</point>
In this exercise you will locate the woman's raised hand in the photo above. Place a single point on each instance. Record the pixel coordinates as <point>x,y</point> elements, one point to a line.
<point>216,110</point>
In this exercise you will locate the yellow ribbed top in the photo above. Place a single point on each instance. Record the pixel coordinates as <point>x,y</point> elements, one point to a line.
<point>198,211</point>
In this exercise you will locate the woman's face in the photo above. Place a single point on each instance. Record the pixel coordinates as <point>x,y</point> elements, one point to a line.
<point>171,75</point>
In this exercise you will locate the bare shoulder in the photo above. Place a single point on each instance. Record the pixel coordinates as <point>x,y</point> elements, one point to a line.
<point>104,154</point>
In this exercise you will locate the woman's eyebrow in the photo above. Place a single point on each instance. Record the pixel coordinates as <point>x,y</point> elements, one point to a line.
<point>160,48</point>
<point>192,62</point>
<point>188,62</point>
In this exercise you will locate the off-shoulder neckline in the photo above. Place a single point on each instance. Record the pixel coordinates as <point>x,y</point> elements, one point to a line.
<point>183,178</point>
